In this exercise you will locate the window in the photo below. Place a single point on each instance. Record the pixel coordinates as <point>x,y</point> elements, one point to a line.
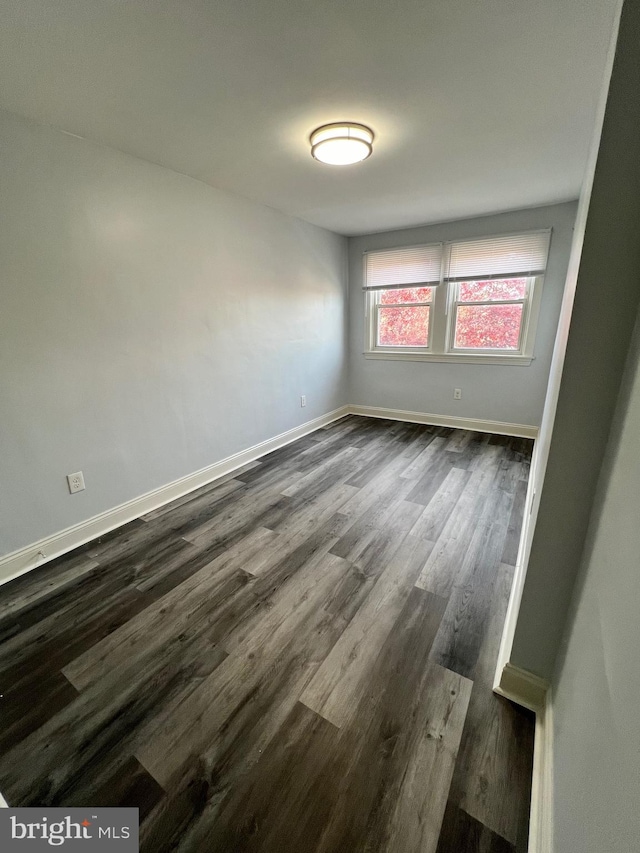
<point>488,314</point>
<point>474,300</point>
<point>403,317</point>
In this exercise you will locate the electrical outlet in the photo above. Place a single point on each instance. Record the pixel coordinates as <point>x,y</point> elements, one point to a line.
<point>76,482</point>
<point>457,393</point>
<point>303,401</point>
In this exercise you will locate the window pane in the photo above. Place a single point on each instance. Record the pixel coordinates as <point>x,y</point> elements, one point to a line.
<point>411,294</point>
<point>484,291</point>
<point>403,327</point>
<point>488,326</point>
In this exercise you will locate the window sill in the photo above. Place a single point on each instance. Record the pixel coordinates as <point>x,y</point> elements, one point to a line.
<point>452,358</point>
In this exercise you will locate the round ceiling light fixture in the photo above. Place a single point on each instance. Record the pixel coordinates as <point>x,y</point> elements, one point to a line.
<point>341,143</point>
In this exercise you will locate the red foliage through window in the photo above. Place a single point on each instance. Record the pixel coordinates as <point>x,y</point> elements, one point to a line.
<point>404,326</point>
<point>488,326</point>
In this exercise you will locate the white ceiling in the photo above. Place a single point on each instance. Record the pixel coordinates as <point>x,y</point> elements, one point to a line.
<point>478,105</point>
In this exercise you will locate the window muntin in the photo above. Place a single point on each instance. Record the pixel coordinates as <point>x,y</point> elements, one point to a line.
<point>489,315</point>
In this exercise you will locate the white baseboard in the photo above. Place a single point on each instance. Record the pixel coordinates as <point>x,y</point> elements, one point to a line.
<point>522,687</point>
<point>517,430</point>
<point>25,559</point>
<point>514,683</point>
<point>534,693</point>
<point>541,813</point>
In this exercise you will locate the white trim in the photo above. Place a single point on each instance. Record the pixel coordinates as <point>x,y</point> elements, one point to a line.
<point>517,587</point>
<point>443,313</point>
<point>528,323</point>
<point>388,355</point>
<point>23,560</point>
<point>514,683</point>
<point>534,693</point>
<point>518,430</point>
<point>513,608</point>
<point>541,812</point>
<point>523,687</point>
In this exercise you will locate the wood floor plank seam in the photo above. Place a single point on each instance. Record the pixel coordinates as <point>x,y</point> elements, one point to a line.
<point>298,656</point>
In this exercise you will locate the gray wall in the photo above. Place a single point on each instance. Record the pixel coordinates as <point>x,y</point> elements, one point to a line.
<point>149,326</point>
<point>597,686</point>
<point>606,301</point>
<point>593,487</point>
<point>511,394</point>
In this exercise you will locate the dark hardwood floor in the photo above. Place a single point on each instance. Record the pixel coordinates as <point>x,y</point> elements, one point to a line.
<point>296,659</point>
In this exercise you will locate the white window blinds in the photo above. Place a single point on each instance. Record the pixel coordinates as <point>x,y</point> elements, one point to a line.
<point>512,256</point>
<point>413,266</point>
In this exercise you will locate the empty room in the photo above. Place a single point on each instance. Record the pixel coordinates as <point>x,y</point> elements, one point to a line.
<point>318,404</point>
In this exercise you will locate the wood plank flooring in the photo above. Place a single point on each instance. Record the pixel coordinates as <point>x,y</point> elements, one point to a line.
<point>295,659</point>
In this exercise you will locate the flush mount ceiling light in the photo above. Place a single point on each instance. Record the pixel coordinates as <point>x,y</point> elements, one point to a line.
<point>341,143</point>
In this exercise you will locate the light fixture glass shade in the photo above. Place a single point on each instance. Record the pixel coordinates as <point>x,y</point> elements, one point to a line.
<point>342,143</point>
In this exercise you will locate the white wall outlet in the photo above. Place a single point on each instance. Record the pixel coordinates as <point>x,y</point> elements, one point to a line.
<point>457,393</point>
<point>76,482</point>
<point>303,401</point>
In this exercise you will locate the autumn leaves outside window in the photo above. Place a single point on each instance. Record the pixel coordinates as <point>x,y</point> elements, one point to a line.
<point>489,314</point>
<point>403,317</point>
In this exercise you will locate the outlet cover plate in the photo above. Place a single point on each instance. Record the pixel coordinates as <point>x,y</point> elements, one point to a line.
<point>76,482</point>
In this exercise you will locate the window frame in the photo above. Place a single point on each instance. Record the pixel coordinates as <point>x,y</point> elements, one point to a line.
<point>455,302</point>
<point>375,305</point>
<point>442,315</point>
